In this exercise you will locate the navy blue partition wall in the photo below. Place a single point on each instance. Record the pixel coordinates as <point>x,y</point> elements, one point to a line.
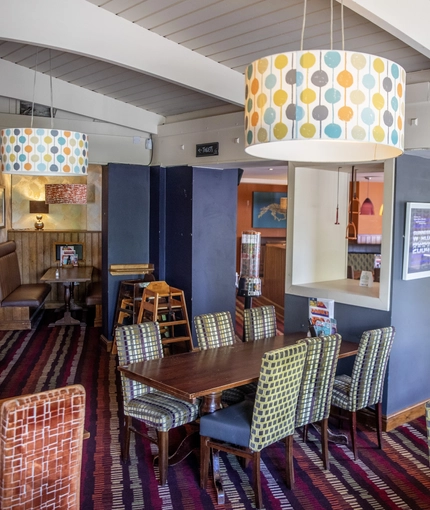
<point>125,223</point>
<point>201,209</point>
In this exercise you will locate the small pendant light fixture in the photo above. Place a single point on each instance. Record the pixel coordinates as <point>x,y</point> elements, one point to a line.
<point>367,208</point>
<point>324,106</point>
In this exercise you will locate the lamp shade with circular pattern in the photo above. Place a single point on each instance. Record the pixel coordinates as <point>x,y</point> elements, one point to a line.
<point>350,105</point>
<point>28,151</point>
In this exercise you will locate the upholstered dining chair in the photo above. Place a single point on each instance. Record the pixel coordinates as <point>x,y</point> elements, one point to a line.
<point>313,404</point>
<point>216,330</point>
<point>259,322</point>
<point>428,425</point>
<point>244,429</point>
<point>364,387</point>
<point>142,342</point>
<point>41,449</point>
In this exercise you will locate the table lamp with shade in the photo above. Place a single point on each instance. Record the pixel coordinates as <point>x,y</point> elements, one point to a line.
<point>38,207</point>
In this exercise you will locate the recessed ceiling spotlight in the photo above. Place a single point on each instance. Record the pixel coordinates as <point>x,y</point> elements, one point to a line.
<point>270,169</point>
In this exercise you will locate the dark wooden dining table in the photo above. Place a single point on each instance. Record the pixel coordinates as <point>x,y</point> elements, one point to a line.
<point>68,277</point>
<point>206,374</point>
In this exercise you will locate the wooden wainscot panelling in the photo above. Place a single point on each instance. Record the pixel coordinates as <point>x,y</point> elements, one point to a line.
<point>36,254</point>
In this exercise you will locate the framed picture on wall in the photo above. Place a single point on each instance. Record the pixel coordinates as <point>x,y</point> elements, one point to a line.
<point>416,255</point>
<point>269,209</point>
<point>2,208</point>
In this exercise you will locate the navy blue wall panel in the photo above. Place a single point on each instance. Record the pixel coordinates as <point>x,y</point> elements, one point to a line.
<point>125,223</point>
<point>157,221</point>
<point>409,381</point>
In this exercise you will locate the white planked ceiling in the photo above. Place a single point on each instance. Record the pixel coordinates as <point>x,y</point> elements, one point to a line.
<point>230,32</point>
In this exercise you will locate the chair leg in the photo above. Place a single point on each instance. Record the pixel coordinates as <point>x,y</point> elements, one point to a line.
<point>324,443</point>
<point>289,464</point>
<point>378,409</point>
<point>204,461</point>
<point>125,454</point>
<point>257,480</point>
<point>353,429</point>
<point>163,455</point>
<point>305,433</point>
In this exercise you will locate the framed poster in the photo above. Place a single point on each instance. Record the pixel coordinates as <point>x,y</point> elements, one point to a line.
<point>2,208</point>
<point>416,255</point>
<point>266,210</point>
<point>69,253</point>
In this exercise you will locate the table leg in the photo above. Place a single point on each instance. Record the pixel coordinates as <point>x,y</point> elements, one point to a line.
<point>67,319</point>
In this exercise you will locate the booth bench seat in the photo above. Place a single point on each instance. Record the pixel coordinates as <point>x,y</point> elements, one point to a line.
<point>19,303</point>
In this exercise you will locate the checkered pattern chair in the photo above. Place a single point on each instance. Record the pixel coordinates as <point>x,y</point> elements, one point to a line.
<point>41,449</point>
<point>142,342</point>
<point>216,330</point>
<point>244,429</point>
<point>428,424</point>
<point>313,404</point>
<point>259,322</point>
<point>365,385</point>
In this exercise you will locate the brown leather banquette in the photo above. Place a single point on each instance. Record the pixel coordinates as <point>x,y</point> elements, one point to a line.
<point>19,303</point>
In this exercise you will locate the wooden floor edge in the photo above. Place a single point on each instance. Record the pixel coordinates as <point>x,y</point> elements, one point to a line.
<point>395,420</point>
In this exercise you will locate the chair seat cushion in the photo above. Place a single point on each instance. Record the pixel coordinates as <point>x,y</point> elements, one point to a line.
<point>232,424</point>
<point>340,397</point>
<point>161,411</point>
<point>28,294</point>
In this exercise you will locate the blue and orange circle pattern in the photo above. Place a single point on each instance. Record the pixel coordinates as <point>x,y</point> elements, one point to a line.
<point>43,151</point>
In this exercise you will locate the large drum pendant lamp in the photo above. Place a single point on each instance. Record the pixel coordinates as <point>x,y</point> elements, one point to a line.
<point>324,106</point>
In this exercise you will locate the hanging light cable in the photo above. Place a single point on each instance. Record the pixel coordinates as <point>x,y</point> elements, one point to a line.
<point>324,106</point>
<point>36,151</point>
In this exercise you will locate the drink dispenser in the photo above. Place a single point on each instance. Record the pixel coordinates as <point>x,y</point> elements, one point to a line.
<point>249,281</point>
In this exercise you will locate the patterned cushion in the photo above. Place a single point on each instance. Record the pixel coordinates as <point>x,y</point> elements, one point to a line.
<point>214,330</point>
<point>276,398</point>
<point>314,400</point>
<point>364,387</point>
<point>142,342</point>
<point>428,424</point>
<point>259,322</point>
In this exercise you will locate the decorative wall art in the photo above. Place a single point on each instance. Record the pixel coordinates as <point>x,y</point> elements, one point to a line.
<point>267,211</point>
<point>416,256</point>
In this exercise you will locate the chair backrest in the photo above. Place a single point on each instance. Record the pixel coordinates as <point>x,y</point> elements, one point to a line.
<point>41,449</point>
<point>275,403</point>
<point>370,365</point>
<point>137,342</point>
<point>259,322</point>
<point>313,404</point>
<point>214,330</point>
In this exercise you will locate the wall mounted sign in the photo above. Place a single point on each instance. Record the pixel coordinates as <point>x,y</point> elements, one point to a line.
<point>207,149</point>
<point>416,255</point>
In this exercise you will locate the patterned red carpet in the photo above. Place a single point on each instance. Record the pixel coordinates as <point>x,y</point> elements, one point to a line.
<point>32,361</point>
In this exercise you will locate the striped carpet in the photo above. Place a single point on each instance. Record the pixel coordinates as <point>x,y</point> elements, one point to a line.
<point>36,360</point>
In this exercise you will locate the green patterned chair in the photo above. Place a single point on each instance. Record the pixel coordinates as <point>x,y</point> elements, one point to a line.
<point>244,429</point>
<point>141,342</point>
<point>215,330</point>
<point>313,404</point>
<point>259,322</point>
<point>365,386</point>
<point>428,424</point>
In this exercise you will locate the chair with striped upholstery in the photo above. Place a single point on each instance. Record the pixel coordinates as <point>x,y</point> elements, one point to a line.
<point>216,330</point>
<point>244,429</point>
<point>364,387</point>
<point>313,404</point>
<point>259,322</point>
<point>141,342</point>
<point>428,424</point>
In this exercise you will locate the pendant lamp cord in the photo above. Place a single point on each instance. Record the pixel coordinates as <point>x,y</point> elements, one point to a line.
<point>52,95</point>
<point>337,205</point>
<point>304,24</point>
<point>34,88</point>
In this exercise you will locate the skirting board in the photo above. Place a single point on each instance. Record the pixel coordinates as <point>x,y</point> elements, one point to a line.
<point>404,416</point>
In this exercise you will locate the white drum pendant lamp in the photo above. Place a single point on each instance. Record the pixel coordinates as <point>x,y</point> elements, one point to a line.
<point>324,106</point>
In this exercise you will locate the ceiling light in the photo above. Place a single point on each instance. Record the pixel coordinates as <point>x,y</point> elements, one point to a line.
<point>324,106</point>
<point>367,208</point>
<point>36,151</point>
